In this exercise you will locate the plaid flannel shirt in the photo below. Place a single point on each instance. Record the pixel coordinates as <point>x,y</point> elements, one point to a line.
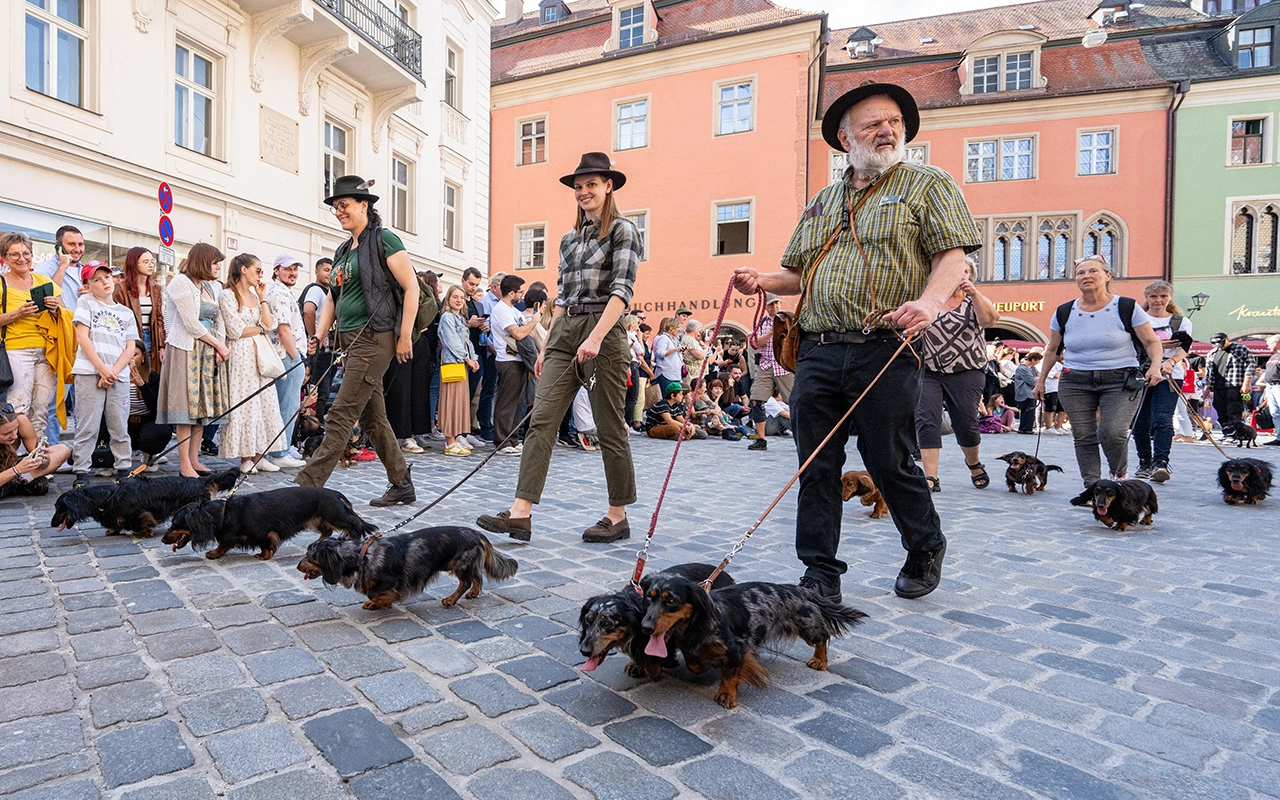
<point>1239,364</point>
<point>592,271</point>
<point>764,344</point>
<point>916,213</point>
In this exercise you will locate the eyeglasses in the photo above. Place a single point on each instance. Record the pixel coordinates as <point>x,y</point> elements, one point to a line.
<point>19,256</point>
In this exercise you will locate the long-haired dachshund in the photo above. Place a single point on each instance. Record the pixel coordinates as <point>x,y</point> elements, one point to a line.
<point>1026,471</point>
<point>398,567</point>
<point>727,627</point>
<point>1119,504</point>
<point>1241,432</point>
<point>612,622</point>
<point>857,483</point>
<point>1244,480</point>
<point>137,504</point>
<point>262,520</point>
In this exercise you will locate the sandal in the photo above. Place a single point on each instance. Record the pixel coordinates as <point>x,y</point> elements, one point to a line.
<point>982,480</point>
<point>934,484</point>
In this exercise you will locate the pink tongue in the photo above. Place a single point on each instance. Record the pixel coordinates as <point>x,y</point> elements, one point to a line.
<point>592,663</point>
<point>1239,487</point>
<point>657,646</point>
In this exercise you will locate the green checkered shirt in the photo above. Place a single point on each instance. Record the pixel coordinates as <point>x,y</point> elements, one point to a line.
<point>916,213</point>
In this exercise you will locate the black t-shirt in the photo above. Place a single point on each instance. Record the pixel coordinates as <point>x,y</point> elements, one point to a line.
<point>474,309</point>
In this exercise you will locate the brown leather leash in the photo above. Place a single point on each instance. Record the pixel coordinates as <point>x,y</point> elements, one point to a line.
<point>1199,420</point>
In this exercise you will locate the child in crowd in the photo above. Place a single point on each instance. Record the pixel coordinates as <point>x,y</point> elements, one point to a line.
<point>665,418</point>
<point>106,332</point>
<point>995,416</point>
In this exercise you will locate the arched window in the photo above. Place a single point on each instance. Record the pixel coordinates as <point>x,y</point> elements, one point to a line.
<point>1242,243</point>
<point>1044,252</point>
<point>1000,254</point>
<point>1060,256</point>
<point>1053,249</point>
<point>1268,227</point>
<point>1015,256</point>
<point>1103,237</point>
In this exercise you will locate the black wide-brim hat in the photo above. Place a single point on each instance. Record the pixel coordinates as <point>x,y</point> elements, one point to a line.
<point>352,186</point>
<point>836,111</point>
<point>596,164</point>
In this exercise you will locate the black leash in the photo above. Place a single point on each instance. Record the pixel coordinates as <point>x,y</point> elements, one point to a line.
<point>1040,432</point>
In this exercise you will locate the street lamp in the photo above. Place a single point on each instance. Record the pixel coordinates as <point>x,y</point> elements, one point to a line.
<point>1201,300</point>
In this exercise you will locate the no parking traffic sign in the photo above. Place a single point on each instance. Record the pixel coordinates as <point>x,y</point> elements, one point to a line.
<point>166,231</point>
<point>165,196</point>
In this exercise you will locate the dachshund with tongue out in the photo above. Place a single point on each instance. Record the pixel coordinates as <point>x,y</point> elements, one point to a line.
<point>1244,480</point>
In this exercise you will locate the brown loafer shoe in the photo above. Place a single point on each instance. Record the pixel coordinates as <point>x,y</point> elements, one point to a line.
<point>520,528</point>
<point>605,531</point>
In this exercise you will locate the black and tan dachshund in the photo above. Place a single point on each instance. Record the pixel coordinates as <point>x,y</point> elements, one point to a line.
<point>395,568</point>
<point>1245,480</point>
<point>1119,504</point>
<point>1240,432</point>
<point>138,504</point>
<point>725,628</point>
<point>611,622</point>
<point>1027,471</point>
<point>262,520</point>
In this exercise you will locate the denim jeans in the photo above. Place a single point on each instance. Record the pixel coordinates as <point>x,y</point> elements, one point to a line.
<point>1100,411</point>
<point>829,378</point>
<point>488,390</point>
<point>289,393</point>
<point>1155,423</point>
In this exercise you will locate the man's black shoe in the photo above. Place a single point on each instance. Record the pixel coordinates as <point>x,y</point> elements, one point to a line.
<point>922,572</point>
<point>818,587</point>
<point>81,481</point>
<point>1085,498</point>
<point>208,448</point>
<point>758,444</point>
<point>1275,442</point>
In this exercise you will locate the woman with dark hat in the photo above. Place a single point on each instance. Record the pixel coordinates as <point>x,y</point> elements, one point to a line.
<point>373,299</point>
<point>598,260</point>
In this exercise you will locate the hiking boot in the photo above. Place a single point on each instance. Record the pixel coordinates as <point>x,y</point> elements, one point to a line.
<point>758,444</point>
<point>519,528</point>
<point>605,531</point>
<point>822,589</point>
<point>1144,470</point>
<point>922,572</point>
<point>403,493</point>
<point>1161,472</point>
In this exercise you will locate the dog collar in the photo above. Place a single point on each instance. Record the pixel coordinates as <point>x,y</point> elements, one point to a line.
<point>364,548</point>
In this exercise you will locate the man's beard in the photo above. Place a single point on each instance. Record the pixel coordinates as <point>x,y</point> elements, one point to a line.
<point>868,162</point>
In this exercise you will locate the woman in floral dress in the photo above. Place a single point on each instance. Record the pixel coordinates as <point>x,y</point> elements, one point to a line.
<point>253,428</point>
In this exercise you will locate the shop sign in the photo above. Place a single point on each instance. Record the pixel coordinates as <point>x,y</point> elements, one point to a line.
<point>670,306</point>
<point>1034,305</point>
<point>1244,312</point>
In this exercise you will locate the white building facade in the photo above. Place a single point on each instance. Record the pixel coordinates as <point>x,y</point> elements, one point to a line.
<point>248,110</point>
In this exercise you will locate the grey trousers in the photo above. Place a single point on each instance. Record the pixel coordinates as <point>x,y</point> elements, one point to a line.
<point>1100,411</point>
<point>92,404</point>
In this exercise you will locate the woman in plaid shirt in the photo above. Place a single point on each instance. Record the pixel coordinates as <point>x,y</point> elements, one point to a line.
<point>598,260</point>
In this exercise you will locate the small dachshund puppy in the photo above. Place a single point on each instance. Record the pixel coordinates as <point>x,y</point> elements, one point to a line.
<point>1244,480</point>
<point>857,483</point>
<point>612,622</point>
<point>137,504</point>
<point>1026,471</point>
<point>726,628</point>
<point>393,568</point>
<point>1241,432</point>
<point>262,520</point>
<point>1119,504</point>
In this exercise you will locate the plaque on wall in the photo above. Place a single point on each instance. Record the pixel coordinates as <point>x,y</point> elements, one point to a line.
<point>277,139</point>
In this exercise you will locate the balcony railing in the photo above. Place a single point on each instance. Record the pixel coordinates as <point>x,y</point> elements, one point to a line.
<point>453,124</point>
<point>380,25</point>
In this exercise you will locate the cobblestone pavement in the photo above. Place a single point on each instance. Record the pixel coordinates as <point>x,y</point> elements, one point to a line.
<point>1058,659</point>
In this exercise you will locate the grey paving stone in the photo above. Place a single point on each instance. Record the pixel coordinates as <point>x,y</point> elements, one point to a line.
<point>242,754</point>
<point>204,673</point>
<point>975,620</point>
<point>303,614</point>
<point>1061,781</point>
<point>539,672</point>
<point>1208,701</point>
<point>234,616</point>
<point>71,790</point>
<point>190,788</point>
<point>354,741</point>
<point>492,694</point>
<point>467,631</point>
<point>948,780</point>
<point>34,667</point>
<point>28,741</point>
<point>311,696</point>
<point>724,778</point>
<point>998,666</point>
<point>944,737</point>
<point>44,772</point>
<point>397,691</point>
<point>956,706</point>
<point>1154,778</point>
<point>529,628</point>
<point>300,783</point>
<point>1058,612</point>
<point>500,648</point>
<point>289,597</point>
<point>872,675</point>
<point>37,698</point>
<point>181,644</point>
<point>108,671</point>
<point>431,716</point>
<point>550,735</point>
<point>498,784</point>
<point>162,621</point>
<point>145,604</point>
<point>282,665</point>
<point>773,702</point>
<point>466,749</point>
<point>1057,743</point>
<point>613,776</point>
<point>1079,666</point>
<point>414,780</point>
<point>1095,694</point>
<point>845,733</point>
<point>257,639</point>
<point>1268,719</point>
<point>100,644</point>
<point>142,751</point>
<point>752,736</point>
<point>859,702</point>
<point>1226,684</point>
<point>126,702</point>
<point>677,703</point>
<point>1211,728</point>
<point>330,635</point>
<point>834,778</point>
<point>590,703</point>
<point>658,741</point>
<point>439,657</point>
<point>1088,633</point>
<point>1165,743</point>
<point>36,619</point>
<point>220,711</point>
<point>359,661</point>
<point>394,631</point>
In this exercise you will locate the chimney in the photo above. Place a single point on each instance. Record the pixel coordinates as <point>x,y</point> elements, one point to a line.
<point>515,10</point>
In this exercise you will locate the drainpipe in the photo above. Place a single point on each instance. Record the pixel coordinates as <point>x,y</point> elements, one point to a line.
<point>825,39</point>
<point>1180,90</point>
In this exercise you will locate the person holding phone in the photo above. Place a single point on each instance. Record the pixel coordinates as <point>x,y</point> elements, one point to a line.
<point>23,296</point>
<point>25,458</point>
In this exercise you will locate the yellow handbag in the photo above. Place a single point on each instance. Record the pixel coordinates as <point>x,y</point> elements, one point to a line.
<point>452,373</point>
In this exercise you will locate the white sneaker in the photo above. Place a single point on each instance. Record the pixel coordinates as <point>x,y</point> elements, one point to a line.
<point>162,460</point>
<point>436,436</point>
<point>288,462</point>
<point>296,454</point>
<point>479,444</point>
<point>508,451</point>
<point>247,468</point>
<point>265,465</point>
<point>410,446</point>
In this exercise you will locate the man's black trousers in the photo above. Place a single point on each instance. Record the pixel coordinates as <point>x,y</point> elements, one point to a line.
<point>829,377</point>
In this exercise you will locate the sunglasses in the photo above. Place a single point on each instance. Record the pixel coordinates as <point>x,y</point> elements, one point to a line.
<point>1101,258</point>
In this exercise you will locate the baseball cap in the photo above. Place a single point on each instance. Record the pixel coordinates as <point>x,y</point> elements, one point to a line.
<point>1218,338</point>
<point>286,260</point>
<point>683,310</point>
<point>673,387</point>
<point>770,297</point>
<point>90,268</point>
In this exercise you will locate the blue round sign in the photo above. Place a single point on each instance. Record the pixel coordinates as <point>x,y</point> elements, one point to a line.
<point>166,231</point>
<point>165,196</point>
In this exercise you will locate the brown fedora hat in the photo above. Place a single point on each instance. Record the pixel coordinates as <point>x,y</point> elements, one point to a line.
<point>596,164</point>
<point>846,101</point>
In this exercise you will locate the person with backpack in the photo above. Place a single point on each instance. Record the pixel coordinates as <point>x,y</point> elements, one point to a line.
<point>374,300</point>
<point>1099,337</point>
<point>1154,424</point>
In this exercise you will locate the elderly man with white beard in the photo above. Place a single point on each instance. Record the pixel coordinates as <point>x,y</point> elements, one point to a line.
<point>874,258</point>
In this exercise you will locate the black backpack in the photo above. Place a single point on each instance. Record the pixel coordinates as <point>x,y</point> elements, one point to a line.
<point>427,303</point>
<point>303,297</point>
<point>1127,305</point>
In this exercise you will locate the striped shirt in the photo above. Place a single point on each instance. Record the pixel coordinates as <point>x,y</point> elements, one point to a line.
<point>916,213</point>
<point>592,271</point>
